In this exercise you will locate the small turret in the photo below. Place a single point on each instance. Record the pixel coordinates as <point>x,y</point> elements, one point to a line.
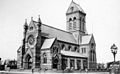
<point>25,25</point>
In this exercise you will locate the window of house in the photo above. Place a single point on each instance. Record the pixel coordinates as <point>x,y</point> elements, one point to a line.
<point>44,58</point>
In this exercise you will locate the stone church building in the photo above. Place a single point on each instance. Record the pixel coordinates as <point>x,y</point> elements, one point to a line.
<point>48,47</point>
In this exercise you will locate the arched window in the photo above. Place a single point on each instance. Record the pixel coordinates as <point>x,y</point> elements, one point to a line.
<point>91,55</point>
<point>55,49</point>
<point>92,45</point>
<point>63,47</point>
<point>80,23</point>
<point>70,23</point>
<point>70,19</point>
<point>78,50</point>
<point>75,49</point>
<point>74,23</point>
<point>83,21</point>
<point>69,47</point>
<point>74,18</point>
<point>44,58</point>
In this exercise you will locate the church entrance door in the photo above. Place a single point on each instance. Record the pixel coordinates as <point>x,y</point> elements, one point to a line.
<point>28,62</point>
<point>55,62</point>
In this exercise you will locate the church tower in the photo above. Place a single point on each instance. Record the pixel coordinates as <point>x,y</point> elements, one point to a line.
<point>75,17</point>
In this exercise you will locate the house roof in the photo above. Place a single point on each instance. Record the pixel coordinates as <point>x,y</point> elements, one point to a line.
<point>48,43</point>
<point>86,39</point>
<point>57,33</point>
<point>73,54</point>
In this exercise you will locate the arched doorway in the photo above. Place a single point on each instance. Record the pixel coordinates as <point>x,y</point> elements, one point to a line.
<point>28,62</point>
<point>55,61</point>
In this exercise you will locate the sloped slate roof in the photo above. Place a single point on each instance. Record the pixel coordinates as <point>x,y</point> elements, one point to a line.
<point>73,54</point>
<point>48,43</point>
<point>57,33</point>
<point>86,39</point>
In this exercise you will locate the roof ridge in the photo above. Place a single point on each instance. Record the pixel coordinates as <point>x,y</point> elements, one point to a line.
<point>53,27</point>
<point>56,28</point>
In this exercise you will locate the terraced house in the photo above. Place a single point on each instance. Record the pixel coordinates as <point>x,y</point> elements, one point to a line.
<point>47,47</point>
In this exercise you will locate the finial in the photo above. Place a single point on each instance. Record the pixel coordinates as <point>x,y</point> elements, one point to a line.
<point>39,16</point>
<point>32,18</point>
<point>25,21</point>
<point>39,20</point>
<point>25,25</point>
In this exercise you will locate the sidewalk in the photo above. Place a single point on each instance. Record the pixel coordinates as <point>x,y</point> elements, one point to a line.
<point>47,72</point>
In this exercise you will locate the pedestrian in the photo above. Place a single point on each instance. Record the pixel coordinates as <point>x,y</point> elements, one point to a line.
<point>32,70</point>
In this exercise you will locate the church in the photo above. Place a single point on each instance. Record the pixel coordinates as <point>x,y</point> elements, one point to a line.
<point>44,46</point>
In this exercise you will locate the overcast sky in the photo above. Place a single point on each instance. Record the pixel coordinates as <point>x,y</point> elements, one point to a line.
<point>102,19</point>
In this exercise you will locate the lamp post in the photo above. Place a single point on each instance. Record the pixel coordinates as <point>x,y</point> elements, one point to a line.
<point>114,50</point>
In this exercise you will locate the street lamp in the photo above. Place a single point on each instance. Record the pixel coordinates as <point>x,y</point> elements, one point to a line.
<point>114,50</point>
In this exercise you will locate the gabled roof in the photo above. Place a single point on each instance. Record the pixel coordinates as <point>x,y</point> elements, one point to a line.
<point>48,43</point>
<point>57,33</point>
<point>86,39</point>
<point>73,54</point>
<point>73,4</point>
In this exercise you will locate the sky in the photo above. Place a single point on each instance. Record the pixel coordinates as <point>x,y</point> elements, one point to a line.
<point>102,19</point>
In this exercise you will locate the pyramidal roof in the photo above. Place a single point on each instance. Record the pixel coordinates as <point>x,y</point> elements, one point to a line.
<point>76,6</point>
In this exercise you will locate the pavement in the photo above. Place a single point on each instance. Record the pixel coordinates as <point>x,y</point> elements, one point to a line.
<point>12,72</point>
<point>46,72</point>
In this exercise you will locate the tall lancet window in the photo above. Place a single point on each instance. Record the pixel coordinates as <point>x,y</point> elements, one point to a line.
<point>74,23</point>
<point>80,24</point>
<point>70,24</point>
<point>83,21</point>
<point>44,58</point>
